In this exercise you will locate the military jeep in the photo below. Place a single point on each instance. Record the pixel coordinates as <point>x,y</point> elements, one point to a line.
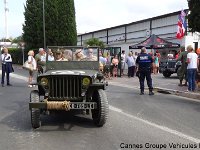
<point>168,67</point>
<point>71,81</point>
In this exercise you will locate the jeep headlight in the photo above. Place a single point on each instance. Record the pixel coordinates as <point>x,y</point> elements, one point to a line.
<point>44,81</point>
<point>86,81</point>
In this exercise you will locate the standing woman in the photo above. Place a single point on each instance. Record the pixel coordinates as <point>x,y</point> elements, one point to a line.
<point>107,67</point>
<point>192,61</point>
<point>32,62</point>
<point>115,63</point>
<point>6,66</point>
<point>156,64</point>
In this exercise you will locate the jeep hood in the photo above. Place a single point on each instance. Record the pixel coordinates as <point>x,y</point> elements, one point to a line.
<point>71,72</point>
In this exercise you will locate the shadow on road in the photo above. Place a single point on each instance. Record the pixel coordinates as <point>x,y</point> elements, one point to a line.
<point>20,120</point>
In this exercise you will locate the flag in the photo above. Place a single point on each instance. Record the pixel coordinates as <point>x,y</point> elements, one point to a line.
<point>181,25</point>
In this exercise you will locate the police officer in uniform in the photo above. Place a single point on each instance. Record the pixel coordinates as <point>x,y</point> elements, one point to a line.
<point>144,64</point>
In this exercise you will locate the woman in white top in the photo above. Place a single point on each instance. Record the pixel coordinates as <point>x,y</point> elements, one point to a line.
<point>192,61</point>
<point>6,60</point>
<point>31,60</point>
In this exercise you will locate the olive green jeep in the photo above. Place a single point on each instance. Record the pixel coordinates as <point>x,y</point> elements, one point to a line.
<point>71,81</point>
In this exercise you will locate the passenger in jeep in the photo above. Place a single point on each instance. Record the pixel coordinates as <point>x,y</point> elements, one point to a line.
<point>78,56</point>
<point>90,56</point>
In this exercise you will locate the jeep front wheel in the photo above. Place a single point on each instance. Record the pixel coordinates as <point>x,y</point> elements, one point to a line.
<point>166,74</point>
<point>35,112</point>
<point>100,114</point>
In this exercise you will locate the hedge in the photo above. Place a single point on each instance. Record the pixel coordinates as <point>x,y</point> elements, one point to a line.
<point>17,55</point>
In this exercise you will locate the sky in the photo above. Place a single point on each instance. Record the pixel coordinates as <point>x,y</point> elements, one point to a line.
<point>94,15</point>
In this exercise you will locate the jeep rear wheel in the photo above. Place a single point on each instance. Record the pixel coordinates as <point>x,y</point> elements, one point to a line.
<point>100,114</point>
<point>35,112</point>
<point>166,74</point>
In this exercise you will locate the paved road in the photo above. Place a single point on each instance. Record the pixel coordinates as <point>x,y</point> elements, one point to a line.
<point>133,119</point>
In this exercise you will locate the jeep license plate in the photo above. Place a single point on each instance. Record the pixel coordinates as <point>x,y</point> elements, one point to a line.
<point>82,106</point>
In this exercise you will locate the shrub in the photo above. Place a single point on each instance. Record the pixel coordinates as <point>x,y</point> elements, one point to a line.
<point>17,55</point>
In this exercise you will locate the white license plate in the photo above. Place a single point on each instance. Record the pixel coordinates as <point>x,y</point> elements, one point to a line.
<point>82,106</point>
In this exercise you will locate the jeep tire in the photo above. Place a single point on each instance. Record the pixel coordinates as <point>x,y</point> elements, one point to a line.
<point>166,74</point>
<point>35,112</point>
<point>100,114</point>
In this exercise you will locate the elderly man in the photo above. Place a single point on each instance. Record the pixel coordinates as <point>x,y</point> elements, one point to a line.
<point>90,56</point>
<point>40,59</point>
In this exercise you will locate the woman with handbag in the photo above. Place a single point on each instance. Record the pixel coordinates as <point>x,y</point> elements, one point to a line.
<point>32,63</point>
<point>6,67</point>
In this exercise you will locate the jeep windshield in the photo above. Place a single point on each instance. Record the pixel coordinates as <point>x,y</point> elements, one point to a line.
<point>72,54</point>
<point>72,58</point>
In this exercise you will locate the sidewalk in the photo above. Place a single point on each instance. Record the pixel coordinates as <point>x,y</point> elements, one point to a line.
<point>160,84</point>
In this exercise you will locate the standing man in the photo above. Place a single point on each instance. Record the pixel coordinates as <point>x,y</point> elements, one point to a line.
<point>41,60</point>
<point>131,65</point>
<point>182,71</point>
<point>192,60</point>
<point>144,63</point>
<point>6,67</point>
<point>123,57</point>
<point>90,56</point>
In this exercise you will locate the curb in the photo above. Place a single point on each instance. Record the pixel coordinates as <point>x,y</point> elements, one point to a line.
<point>178,93</point>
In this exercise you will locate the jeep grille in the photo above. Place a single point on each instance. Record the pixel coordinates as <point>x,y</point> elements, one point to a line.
<point>65,87</point>
<point>171,64</point>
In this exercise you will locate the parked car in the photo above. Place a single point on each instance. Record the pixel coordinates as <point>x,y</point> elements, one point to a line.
<point>69,83</point>
<point>168,67</point>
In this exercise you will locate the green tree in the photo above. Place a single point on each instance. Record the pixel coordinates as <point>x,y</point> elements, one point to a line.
<point>67,23</point>
<point>33,24</point>
<point>60,24</point>
<point>194,15</point>
<point>95,42</point>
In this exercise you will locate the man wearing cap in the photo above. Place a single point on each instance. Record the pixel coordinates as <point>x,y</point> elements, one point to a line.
<point>59,55</point>
<point>78,56</point>
<point>40,59</point>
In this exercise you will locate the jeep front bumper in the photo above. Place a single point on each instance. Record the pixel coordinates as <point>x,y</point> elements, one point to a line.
<point>62,105</point>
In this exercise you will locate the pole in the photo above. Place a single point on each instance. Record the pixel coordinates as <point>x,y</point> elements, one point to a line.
<point>22,44</point>
<point>23,53</point>
<point>6,28</point>
<point>44,26</point>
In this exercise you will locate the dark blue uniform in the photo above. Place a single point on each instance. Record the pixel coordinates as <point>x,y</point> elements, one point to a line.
<point>144,62</point>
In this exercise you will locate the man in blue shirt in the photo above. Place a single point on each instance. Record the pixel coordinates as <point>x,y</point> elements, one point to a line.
<point>144,64</point>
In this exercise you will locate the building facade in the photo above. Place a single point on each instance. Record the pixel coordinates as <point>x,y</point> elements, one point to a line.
<point>164,26</point>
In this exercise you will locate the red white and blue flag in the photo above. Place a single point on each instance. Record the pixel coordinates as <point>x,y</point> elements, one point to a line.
<point>182,25</point>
